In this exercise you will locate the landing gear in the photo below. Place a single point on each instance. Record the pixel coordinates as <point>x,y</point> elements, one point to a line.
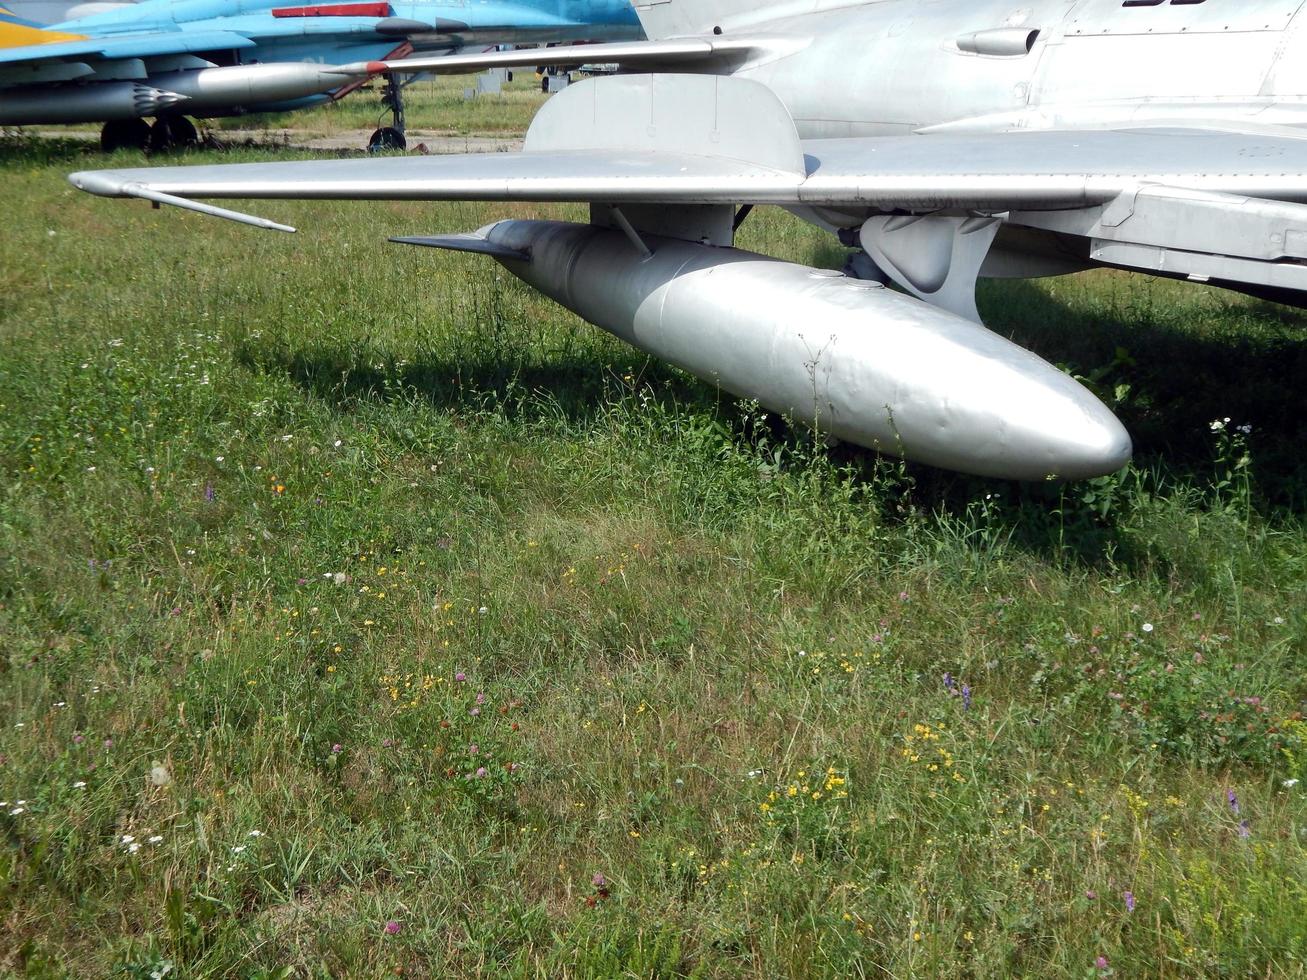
<point>124,134</point>
<point>386,138</point>
<point>391,137</point>
<point>172,133</point>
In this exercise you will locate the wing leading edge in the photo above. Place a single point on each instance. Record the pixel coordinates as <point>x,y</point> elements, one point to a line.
<point>1046,171</point>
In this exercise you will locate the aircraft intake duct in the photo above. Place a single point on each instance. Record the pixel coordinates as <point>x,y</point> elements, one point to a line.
<point>86,103</point>
<point>856,360</point>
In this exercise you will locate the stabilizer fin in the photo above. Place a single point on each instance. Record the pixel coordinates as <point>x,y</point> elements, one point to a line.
<point>475,242</point>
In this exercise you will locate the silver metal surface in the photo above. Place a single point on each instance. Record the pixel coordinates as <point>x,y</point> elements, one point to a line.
<point>854,359</point>
<point>953,137</point>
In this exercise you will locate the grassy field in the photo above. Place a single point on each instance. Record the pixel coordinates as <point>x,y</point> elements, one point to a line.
<point>362,613</point>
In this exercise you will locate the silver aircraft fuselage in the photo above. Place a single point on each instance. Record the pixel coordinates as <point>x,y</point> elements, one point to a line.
<point>899,66</point>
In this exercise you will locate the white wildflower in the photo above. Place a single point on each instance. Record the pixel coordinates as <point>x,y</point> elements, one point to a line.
<point>1147,627</point>
<point>1289,783</point>
<point>80,784</point>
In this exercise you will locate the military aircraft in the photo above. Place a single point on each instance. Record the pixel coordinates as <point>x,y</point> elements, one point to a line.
<point>944,139</point>
<point>37,12</point>
<point>171,58</point>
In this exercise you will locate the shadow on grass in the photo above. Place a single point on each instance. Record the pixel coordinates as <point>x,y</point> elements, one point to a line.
<point>575,387</point>
<point>28,149</point>
<point>1186,364</point>
<point>1247,366</point>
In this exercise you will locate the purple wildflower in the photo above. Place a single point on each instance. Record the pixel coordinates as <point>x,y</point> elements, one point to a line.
<point>481,772</point>
<point>966,697</point>
<point>209,495</point>
<point>1233,800</point>
<point>599,880</point>
<point>1245,831</point>
<point>460,677</point>
<point>1129,901</point>
<point>1101,963</point>
<point>474,748</point>
<point>108,743</point>
<point>336,749</point>
<point>391,927</point>
<point>387,743</point>
<point>481,697</point>
<point>949,682</point>
<point>78,738</point>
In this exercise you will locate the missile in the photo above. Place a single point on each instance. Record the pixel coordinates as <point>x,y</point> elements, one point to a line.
<point>98,102</point>
<point>849,357</point>
<point>248,85</point>
<point>227,88</point>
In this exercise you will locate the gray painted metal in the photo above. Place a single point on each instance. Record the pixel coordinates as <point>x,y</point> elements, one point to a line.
<point>254,84</point>
<point>198,90</point>
<point>854,359</point>
<point>112,100</point>
<point>693,52</point>
<point>1042,170</point>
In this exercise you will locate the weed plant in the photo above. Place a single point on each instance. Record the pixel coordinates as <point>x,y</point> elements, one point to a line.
<point>362,613</point>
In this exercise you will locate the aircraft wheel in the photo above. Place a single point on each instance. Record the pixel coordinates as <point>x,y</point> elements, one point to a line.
<point>172,133</point>
<point>124,134</point>
<point>387,138</point>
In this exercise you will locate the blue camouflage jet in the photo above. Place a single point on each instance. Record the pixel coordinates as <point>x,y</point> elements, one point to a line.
<point>168,59</point>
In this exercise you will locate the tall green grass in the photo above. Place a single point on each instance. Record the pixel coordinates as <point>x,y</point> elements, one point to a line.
<point>381,591</point>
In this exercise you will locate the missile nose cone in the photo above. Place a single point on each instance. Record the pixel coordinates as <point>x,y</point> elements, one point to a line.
<point>1096,447</point>
<point>1052,426</point>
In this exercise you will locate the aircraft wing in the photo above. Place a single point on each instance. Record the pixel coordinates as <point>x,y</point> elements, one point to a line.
<point>1036,170</point>
<point>1201,203</point>
<point>696,52</point>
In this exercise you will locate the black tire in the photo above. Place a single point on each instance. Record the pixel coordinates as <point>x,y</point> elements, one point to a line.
<point>124,134</point>
<point>172,133</point>
<point>387,138</point>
